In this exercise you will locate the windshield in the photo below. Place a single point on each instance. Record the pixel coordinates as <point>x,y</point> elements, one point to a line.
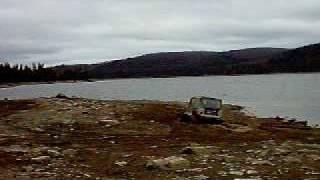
<point>211,103</point>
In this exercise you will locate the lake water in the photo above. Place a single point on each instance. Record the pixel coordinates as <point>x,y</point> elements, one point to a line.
<point>286,95</point>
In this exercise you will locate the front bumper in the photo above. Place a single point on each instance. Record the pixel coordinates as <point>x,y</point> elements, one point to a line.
<point>210,118</point>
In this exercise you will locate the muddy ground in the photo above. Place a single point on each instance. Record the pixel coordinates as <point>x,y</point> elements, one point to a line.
<point>62,138</point>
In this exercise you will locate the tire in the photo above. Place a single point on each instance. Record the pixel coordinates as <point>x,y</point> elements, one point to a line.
<point>185,118</point>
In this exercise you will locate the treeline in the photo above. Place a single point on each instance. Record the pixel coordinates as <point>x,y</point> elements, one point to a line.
<point>197,63</point>
<point>36,73</point>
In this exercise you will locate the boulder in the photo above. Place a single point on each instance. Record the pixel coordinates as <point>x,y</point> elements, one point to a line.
<point>169,163</point>
<point>61,96</point>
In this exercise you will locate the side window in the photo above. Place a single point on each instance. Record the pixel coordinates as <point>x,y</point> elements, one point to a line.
<point>195,103</point>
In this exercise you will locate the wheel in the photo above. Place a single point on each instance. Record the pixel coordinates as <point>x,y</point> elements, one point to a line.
<point>185,118</point>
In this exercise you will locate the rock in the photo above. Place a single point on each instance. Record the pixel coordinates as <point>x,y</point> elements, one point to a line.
<point>261,162</point>
<point>15,149</point>
<point>27,168</point>
<point>127,155</point>
<point>109,122</point>
<point>314,157</point>
<point>227,158</point>
<point>251,172</point>
<point>39,130</point>
<point>242,129</point>
<point>61,96</point>
<point>85,112</point>
<point>313,146</point>
<point>169,163</point>
<point>280,151</point>
<point>307,151</point>
<point>200,177</point>
<point>237,173</point>
<point>198,150</point>
<point>53,153</point>
<point>222,173</point>
<point>69,152</point>
<point>41,159</point>
<point>22,177</point>
<point>121,163</point>
<point>37,151</point>
<point>250,151</point>
<point>291,159</point>
<point>264,153</point>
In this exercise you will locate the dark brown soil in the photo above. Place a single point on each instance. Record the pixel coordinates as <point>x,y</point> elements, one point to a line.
<point>143,130</point>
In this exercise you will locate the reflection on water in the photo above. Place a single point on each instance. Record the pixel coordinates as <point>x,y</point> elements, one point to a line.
<point>292,95</point>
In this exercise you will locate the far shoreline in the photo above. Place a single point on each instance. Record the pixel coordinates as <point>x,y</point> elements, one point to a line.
<point>16,84</point>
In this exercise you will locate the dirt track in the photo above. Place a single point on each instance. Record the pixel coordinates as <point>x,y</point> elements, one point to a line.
<point>88,139</point>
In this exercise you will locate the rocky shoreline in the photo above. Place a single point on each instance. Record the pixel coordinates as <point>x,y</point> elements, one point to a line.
<point>11,85</point>
<point>75,138</point>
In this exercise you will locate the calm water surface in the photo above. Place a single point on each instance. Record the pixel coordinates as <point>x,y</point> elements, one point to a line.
<point>291,95</point>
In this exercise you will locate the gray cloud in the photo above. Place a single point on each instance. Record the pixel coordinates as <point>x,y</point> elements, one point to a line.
<point>81,31</point>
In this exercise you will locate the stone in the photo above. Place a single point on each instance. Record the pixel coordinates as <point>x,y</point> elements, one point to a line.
<point>200,177</point>
<point>250,151</point>
<point>314,157</point>
<point>15,149</point>
<point>237,173</point>
<point>53,153</point>
<point>121,163</point>
<point>261,162</point>
<point>197,150</point>
<point>27,168</point>
<point>280,151</point>
<point>23,177</point>
<point>264,153</point>
<point>41,159</point>
<point>39,130</point>
<point>313,146</point>
<point>109,122</point>
<point>61,96</point>
<point>37,151</point>
<point>169,163</point>
<point>242,129</point>
<point>251,172</point>
<point>69,152</point>
<point>307,151</point>
<point>291,159</point>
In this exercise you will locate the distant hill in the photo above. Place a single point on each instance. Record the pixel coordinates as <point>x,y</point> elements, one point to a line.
<point>191,63</point>
<point>170,64</point>
<point>304,59</point>
<point>195,63</point>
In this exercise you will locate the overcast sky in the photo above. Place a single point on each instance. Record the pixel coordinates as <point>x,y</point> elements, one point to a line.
<point>88,31</point>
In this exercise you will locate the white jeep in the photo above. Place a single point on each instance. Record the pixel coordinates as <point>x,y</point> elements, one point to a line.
<point>203,109</point>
